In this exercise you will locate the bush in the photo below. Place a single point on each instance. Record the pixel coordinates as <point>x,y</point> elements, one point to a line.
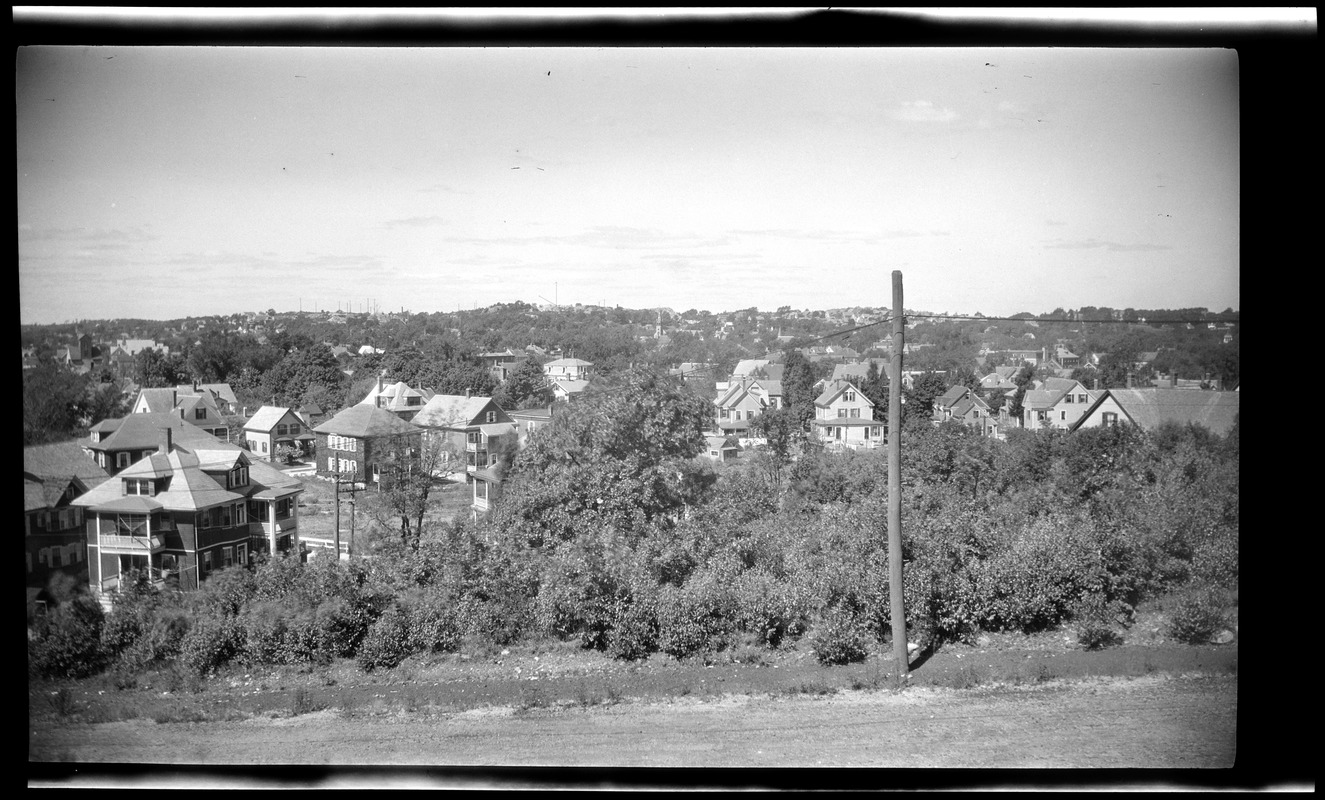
<point>1197,617</point>
<point>839,638</point>
<point>210,644</point>
<point>1096,635</point>
<point>434,625</point>
<point>69,644</point>
<point>634,633</point>
<point>387,643</point>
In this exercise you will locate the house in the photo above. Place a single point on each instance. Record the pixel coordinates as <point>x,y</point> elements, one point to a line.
<point>568,369</point>
<point>198,406</point>
<point>529,420</point>
<point>273,426</point>
<point>220,395</point>
<point>397,398</point>
<point>1149,408</point>
<point>1000,381</point>
<point>565,390</point>
<point>844,417</point>
<point>117,443</point>
<point>54,475</point>
<point>744,400</point>
<point>502,364</point>
<point>184,511</point>
<point>1065,357</point>
<point>1054,403</point>
<point>353,443</point>
<point>972,411</point>
<point>721,448</point>
<point>311,414</point>
<point>467,424</point>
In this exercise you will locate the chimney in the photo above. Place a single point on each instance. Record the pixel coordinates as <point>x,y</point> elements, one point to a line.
<point>181,413</point>
<point>467,393</point>
<point>1129,379</point>
<point>166,442</point>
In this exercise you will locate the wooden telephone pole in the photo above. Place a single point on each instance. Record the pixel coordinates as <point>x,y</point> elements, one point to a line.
<point>339,480</point>
<point>900,654</point>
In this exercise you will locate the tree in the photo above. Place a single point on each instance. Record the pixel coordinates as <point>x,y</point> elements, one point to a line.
<point>407,478</point>
<point>154,369</point>
<point>920,397</point>
<point>525,387</point>
<point>798,387</point>
<point>783,438</point>
<point>53,402</point>
<point>623,454</point>
<point>296,374</point>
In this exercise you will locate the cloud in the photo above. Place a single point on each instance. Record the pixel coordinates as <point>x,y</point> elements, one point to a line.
<point>414,222</point>
<point>1113,247</point>
<point>922,111</point>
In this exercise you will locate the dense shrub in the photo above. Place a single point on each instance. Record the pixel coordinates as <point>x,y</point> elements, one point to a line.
<point>1197,616</point>
<point>432,621</point>
<point>387,643</point>
<point>634,634</point>
<point>211,643</point>
<point>68,645</point>
<point>839,637</point>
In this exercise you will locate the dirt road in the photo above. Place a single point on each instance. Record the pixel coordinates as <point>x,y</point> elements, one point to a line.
<point>1156,722</point>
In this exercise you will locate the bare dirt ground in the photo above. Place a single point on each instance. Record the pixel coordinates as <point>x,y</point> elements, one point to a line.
<point>1009,701</point>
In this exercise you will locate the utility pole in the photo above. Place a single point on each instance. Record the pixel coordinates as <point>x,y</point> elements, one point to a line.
<point>900,654</point>
<point>336,496</point>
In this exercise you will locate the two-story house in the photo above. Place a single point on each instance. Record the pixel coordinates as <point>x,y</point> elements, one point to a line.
<point>353,443</point>
<point>54,475</point>
<point>272,427</point>
<point>744,400</point>
<point>844,417</point>
<point>468,424</point>
<point>118,442</point>
<point>197,408</point>
<point>502,364</point>
<point>184,511</point>
<point>528,420</point>
<point>1054,403</point>
<point>568,369</point>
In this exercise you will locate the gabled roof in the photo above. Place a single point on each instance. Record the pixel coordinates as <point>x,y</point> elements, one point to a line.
<point>747,366</point>
<point>950,397</point>
<point>1150,408</point>
<point>157,400</point>
<point>266,418</point>
<point>456,411</point>
<point>835,388</point>
<point>62,459</point>
<point>221,390</point>
<point>569,387</point>
<point>365,422</point>
<point>722,443</point>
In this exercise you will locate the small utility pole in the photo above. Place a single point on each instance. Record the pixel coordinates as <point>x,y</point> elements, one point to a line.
<point>336,497</point>
<point>895,487</point>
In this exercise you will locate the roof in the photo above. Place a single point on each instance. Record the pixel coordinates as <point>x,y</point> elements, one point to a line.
<point>191,487</point>
<point>721,443</point>
<point>948,398</point>
<point>1150,408</point>
<point>221,390</point>
<point>143,432</point>
<point>498,428</point>
<point>455,411</point>
<point>157,400</point>
<point>62,459</point>
<point>570,387</point>
<point>365,422</point>
<point>266,418</point>
<point>568,362</point>
<point>835,388</point>
<point>748,366</point>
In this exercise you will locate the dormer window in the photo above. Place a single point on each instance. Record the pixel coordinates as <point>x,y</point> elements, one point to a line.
<point>200,413</point>
<point>139,486</point>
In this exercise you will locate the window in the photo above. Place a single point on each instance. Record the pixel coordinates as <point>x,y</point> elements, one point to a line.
<point>1069,398</point>
<point>227,556</point>
<point>241,553</point>
<point>492,416</point>
<point>849,396</point>
<point>842,413</point>
<point>294,429</point>
<point>855,413</point>
<point>55,557</point>
<point>1081,398</point>
<point>121,460</point>
<point>1062,415</point>
<point>1110,418</point>
<point>200,413</point>
<point>282,429</point>
<point>206,562</point>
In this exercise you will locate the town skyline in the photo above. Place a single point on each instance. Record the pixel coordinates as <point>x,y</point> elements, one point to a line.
<point>168,182</point>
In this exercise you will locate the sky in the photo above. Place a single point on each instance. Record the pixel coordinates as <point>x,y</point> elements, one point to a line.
<point>163,182</point>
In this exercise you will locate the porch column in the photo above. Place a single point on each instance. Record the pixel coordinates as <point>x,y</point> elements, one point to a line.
<point>294,523</point>
<point>271,525</point>
<point>95,578</point>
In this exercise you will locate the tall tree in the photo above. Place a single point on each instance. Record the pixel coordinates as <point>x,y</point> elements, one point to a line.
<point>525,387</point>
<point>622,454</point>
<point>798,381</point>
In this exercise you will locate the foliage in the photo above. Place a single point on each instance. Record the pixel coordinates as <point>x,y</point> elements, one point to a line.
<point>68,644</point>
<point>838,638</point>
<point>387,642</point>
<point>1197,616</point>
